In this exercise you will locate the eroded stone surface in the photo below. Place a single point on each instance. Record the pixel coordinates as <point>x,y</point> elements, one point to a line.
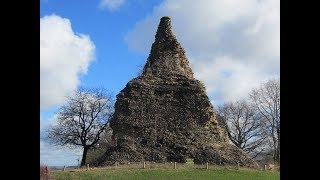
<point>165,113</point>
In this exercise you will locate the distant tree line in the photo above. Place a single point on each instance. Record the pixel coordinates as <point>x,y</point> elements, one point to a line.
<point>253,124</point>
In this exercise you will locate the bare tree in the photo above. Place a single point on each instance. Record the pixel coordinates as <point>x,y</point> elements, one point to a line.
<point>243,126</point>
<point>266,99</point>
<point>81,120</point>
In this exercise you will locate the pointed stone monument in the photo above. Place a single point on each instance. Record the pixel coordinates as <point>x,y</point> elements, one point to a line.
<point>165,115</point>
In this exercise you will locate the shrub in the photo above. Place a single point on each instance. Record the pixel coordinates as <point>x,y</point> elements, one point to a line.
<point>44,172</point>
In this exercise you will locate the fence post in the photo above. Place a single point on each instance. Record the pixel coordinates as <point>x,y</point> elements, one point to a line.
<point>64,168</point>
<point>207,165</point>
<point>265,167</point>
<point>238,165</point>
<point>175,165</point>
<point>144,164</point>
<point>88,168</point>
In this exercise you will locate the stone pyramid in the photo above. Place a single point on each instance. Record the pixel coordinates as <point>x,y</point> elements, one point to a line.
<point>165,115</point>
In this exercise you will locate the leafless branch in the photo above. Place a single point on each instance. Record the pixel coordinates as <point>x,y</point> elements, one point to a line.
<point>82,119</point>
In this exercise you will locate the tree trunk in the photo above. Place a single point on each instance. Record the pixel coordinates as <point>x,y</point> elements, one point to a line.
<point>278,133</point>
<point>275,149</point>
<point>84,156</point>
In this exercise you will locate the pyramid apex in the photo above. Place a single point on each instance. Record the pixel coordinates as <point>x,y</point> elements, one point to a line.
<point>165,18</point>
<point>167,57</point>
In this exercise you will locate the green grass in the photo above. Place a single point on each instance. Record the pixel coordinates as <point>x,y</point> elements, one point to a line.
<point>174,174</point>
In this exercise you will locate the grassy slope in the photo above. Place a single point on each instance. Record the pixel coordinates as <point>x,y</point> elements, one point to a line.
<point>174,174</point>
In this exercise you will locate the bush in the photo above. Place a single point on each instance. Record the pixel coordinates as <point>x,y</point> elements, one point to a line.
<point>44,172</point>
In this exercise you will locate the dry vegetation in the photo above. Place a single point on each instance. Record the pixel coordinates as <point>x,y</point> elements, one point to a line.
<point>44,172</point>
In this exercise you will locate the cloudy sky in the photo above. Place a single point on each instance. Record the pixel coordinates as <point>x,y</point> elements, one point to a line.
<point>232,46</point>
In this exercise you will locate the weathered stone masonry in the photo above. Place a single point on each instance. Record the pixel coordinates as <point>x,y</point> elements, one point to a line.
<point>165,113</point>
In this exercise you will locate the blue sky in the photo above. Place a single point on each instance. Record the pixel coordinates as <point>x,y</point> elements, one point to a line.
<point>232,47</point>
<point>114,65</point>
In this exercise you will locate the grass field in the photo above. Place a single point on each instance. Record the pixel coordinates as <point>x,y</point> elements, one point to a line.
<point>174,174</point>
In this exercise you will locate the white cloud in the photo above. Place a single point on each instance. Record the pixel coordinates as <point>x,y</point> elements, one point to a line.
<point>232,45</point>
<point>229,79</point>
<point>58,156</point>
<point>112,5</point>
<point>64,57</point>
